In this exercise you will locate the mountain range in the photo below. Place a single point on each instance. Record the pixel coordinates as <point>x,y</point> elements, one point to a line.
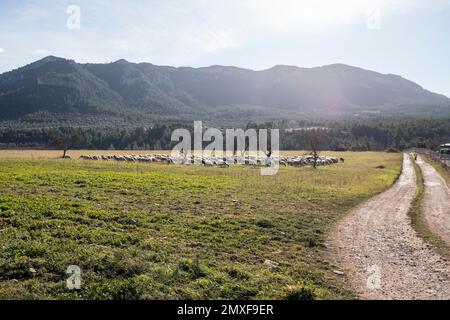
<point>57,87</point>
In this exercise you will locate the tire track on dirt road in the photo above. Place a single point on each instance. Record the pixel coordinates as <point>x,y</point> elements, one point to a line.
<point>382,255</point>
<point>436,201</point>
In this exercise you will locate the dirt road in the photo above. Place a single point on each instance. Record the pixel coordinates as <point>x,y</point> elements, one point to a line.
<point>381,254</point>
<point>436,201</point>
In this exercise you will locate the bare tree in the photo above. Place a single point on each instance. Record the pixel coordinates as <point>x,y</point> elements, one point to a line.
<point>64,141</point>
<point>317,141</point>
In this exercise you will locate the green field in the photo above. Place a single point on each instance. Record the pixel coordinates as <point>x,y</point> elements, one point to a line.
<point>158,231</point>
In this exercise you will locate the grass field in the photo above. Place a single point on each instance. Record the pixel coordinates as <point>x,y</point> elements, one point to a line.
<point>154,231</point>
<point>54,154</point>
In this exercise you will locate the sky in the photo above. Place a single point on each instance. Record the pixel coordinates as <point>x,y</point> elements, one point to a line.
<point>410,38</point>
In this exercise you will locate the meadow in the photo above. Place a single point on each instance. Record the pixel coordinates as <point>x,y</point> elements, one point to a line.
<point>158,231</point>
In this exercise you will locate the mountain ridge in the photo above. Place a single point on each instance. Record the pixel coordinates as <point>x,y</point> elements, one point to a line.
<point>62,86</point>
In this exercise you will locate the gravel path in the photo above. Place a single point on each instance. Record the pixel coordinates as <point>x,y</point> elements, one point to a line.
<point>436,201</point>
<point>381,254</point>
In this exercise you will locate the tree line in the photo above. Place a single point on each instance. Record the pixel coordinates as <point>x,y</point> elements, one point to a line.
<point>353,134</point>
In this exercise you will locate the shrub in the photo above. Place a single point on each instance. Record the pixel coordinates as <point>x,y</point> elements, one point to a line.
<point>264,224</point>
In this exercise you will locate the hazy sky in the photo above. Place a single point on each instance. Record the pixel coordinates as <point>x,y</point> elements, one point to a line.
<point>406,37</point>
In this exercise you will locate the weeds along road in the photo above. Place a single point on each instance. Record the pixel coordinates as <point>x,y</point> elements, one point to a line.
<point>436,202</point>
<point>382,255</point>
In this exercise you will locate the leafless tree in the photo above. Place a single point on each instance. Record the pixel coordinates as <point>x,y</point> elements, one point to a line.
<point>317,141</point>
<point>64,141</point>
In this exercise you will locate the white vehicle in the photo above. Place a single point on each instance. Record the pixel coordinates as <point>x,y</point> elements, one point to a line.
<point>444,151</point>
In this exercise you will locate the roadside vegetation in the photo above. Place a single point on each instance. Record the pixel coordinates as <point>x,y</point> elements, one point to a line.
<point>157,231</point>
<point>437,165</point>
<point>418,218</point>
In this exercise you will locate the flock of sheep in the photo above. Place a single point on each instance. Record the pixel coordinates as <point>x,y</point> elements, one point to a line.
<point>219,161</point>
